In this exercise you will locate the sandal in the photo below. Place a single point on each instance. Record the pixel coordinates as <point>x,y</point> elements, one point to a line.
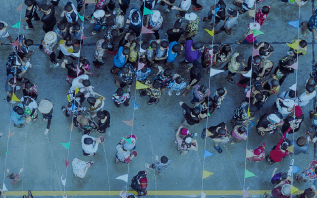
<point>239,42</point>
<point>196,9</point>
<point>231,81</point>
<point>218,149</point>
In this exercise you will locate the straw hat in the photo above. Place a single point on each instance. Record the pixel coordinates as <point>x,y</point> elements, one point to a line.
<point>82,120</point>
<point>286,189</point>
<point>191,16</point>
<point>50,37</point>
<point>99,13</point>
<point>45,106</point>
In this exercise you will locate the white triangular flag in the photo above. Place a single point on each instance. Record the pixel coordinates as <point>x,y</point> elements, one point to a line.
<point>63,181</point>
<point>248,74</point>
<point>293,87</point>
<point>4,187</point>
<point>203,195</point>
<point>123,177</point>
<point>215,71</point>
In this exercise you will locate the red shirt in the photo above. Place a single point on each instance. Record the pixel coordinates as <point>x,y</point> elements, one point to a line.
<point>143,183</point>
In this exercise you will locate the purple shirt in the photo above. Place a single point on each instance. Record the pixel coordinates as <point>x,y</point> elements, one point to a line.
<point>191,55</point>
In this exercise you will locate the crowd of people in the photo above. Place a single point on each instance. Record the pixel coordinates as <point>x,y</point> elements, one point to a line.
<point>136,59</point>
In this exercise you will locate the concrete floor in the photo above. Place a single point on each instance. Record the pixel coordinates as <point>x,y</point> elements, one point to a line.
<point>43,157</point>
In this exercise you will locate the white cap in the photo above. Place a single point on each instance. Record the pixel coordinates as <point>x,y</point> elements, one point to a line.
<point>188,140</point>
<point>99,13</point>
<point>191,16</point>
<point>155,16</point>
<point>289,103</point>
<point>274,118</point>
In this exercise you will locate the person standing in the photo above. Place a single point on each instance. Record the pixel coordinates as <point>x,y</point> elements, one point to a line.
<point>234,66</point>
<point>17,116</point>
<point>48,44</point>
<point>104,121</point>
<point>184,140</point>
<point>4,33</point>
<point>155,23</point>
<point>48,18</point>
<point>46,108</point>
<point>139,183</point>
<point>308,192</point>
<point>14,178</point>
<point>218,134</point>
<point>311,25</point>
<point>305,97</point>
<point>30,14</point>
<point>175,33</point>
<point>159,165</point>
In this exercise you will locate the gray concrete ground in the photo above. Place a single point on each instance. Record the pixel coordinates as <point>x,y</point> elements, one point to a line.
<point>43,157</point>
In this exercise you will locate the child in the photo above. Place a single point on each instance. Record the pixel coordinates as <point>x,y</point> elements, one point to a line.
<point>30,14</point>
<point>100,20</point>
<point>173,50</point>
<point>17,116</point>
<point>219,96</point>
<point>143,74</point>
<point>154,92</point>
<point>159,166</point>
<point>229,22</point>
<point>249,36</point>
<point>100,50</point>
<point>177,84</point>
<point>120,97</point>
<point>126,76</point>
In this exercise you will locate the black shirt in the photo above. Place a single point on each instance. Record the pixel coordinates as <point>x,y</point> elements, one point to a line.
<point>174,36</point>
<point>263,122</point>
<point>212,129</point>
<point>187,114</point>
<point>49,18</point>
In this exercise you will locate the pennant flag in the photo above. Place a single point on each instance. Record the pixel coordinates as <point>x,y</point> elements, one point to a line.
<point>66,145</point>
<point>147,11</point>
<point>249,153</point>
<point>294,45</point>
<point>76,90</point>
<point>15,43</point>
<point>206,174</point>
<point>68,98</point>
<point>6,152</point>
<point>255,52</point>
<point>294,66</point>
<point>248,74</point>
<point>82,18</point>
<point>145,30</point>
<point>123,177</point>
<point>293,87</point>
<point>139,85</point>
<point>128,140</point>
<point>248,174</point>
<point>249,115</point>
<point>216,10</point>
<point>295,169</point>
<point>63,181</point>
<point>66,162</point>
<point>294,23</point>
<point>252,13</point>
<point>10,134</point>
<point>17,25</point>
<point>207,154</point>
<point>298,2</point>
<point>136,106</point>
<point>122,194</point>
<point>211,52</point>
<point>248,94</point>
<point>291,149</point>
<point>203,195</point>
<point>211,32</point>
<point>4,188</point>
<point>90,1</point>
<point>215,71</point>
<point>140,65</point>
<point>83,37</point>
<point>130,122</point>
<point>246,193</point>
<point>15,98</point>
<point>257,32</point>
<point>208,114</point>
<point>20,7</point>
<point>294,189</point>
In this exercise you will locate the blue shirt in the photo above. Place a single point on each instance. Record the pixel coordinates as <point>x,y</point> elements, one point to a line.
<point>171,57</point>
<point>140,76</point>
<point>177,87</point>
<point>119,59</point>
<point>16,118</point>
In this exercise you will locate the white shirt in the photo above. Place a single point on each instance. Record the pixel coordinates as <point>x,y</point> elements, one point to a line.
<point>89,148</point>
<point>3,32</point>
<point>32,105</point>
<point>230,22</point>
<point>75,82</point>
<point>304,99</point>
<point>185,4</point>
<point>250,4</point>
<point>282,110</point>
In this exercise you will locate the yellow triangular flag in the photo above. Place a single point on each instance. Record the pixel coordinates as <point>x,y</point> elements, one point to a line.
<point>15,98</point>
<point>76,90</point>
<point>70,50</point>
<point>249,115</point>
<point>206,174</point>
<point>294,189</point>
<point>140,85</point>
<point>291,149</point>
<point>211,33</point>
<point>293,45</point>
<point>68,98</point>
<point>252,13</point>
